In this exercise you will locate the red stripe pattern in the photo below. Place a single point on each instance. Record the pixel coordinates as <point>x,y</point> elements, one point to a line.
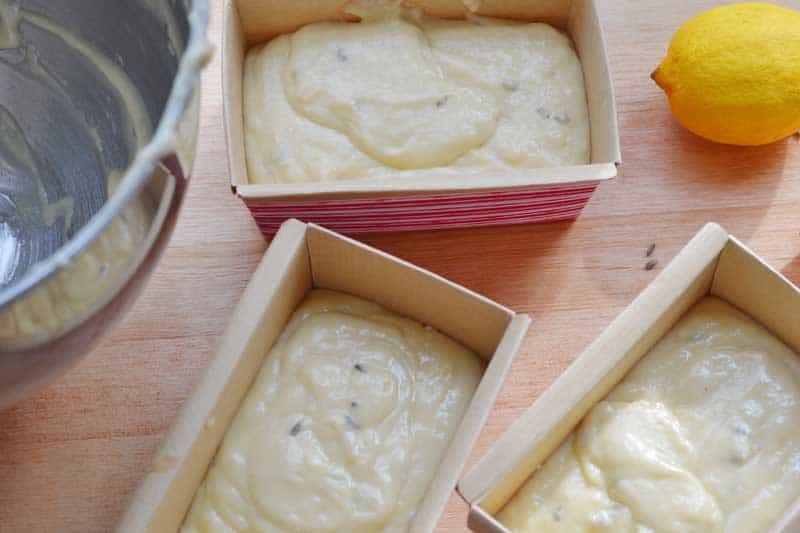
<point>436,211</point>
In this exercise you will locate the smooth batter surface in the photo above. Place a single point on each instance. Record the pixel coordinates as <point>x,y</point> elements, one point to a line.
<point>399,92</point>
<point>703,435</point>
<point>343,428</point>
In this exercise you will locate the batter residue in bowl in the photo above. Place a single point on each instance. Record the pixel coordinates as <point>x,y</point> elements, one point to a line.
<point>9,25</point>
<point>56,171</point>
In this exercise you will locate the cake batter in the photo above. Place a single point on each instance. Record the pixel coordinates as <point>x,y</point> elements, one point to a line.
<point>400,92</point>
<point>703,435</point>
<point>344,427</point>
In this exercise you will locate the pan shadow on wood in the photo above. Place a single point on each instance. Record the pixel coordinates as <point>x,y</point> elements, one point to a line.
<point>792,270</point>
<point>521,267</point>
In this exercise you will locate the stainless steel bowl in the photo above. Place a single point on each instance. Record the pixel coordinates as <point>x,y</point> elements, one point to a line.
<point>99,111</point>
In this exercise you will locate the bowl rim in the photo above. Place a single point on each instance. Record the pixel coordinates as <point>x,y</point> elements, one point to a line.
<point>161,145</point>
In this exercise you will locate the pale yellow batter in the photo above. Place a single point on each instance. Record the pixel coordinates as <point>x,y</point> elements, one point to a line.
<point>703,435</point>
<point>399,92</point>
<point>344,427</point>
<point>81,288</point>
<point>99,272</point>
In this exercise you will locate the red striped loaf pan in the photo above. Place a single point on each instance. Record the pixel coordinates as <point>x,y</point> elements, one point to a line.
<point>441,211</point>
<point>424,202</point>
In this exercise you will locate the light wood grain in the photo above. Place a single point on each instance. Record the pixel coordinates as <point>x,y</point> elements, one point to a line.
<point>71,457</point>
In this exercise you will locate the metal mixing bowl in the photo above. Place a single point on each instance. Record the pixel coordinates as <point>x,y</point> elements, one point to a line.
<point>99,110</point>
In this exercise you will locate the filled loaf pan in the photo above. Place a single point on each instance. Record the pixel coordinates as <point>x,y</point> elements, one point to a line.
<point>397,203</point>
<point>713,264</point>
<point>301,258</point>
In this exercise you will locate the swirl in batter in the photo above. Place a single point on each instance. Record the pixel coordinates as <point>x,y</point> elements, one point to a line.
<point>343,428</point>
<point>701,436</point>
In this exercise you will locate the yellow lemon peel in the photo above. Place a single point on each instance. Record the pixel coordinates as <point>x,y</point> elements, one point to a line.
<point>732,74</point>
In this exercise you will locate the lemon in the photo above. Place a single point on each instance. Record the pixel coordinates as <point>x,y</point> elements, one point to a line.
<point>732,74</point>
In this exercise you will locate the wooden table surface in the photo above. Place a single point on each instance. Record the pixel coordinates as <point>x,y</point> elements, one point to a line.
<point>71,457</point>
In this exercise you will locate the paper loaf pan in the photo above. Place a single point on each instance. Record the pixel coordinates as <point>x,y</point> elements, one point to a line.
<point>713,263</point>
<point>300,258</point>
<point>425,202</point>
